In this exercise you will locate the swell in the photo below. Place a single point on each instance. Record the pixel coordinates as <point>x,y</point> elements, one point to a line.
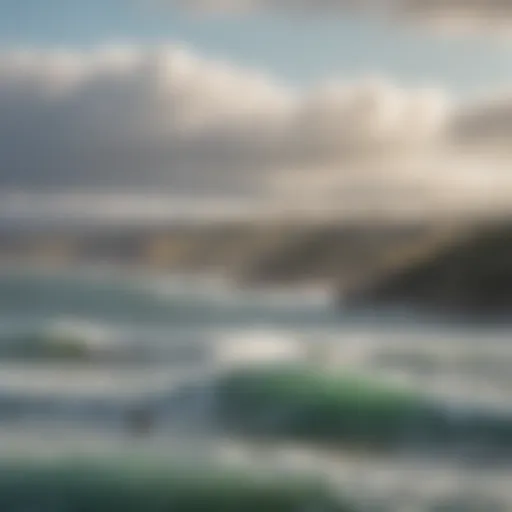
<point>299,403</point>
<point>120,298</point>
<point>134,485</point>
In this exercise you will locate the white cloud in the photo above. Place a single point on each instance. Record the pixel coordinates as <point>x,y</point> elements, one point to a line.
<point>151,115</point>
<point>127,115</point>
<point>167,120</point>
<point>491,16</point>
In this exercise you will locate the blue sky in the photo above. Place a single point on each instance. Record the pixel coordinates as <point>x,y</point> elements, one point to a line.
<point>296,51</point>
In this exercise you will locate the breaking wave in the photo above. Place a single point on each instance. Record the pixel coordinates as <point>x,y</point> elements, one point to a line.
<point>59,340</point>
<point>135,485</point>
<point>297,402</point>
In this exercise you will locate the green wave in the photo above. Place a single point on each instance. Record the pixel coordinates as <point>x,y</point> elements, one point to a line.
<point>46,347</point>
<point>306,404</point>
<point>58,341</point>
<point>136,486</point>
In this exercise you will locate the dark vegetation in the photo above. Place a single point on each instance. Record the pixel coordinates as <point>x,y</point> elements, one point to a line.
<point>470,279</point>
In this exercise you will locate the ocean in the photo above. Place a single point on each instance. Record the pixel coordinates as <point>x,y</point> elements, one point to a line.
<point>82,350</point>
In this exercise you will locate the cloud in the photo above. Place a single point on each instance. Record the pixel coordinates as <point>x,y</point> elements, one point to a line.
<point>166,120</point>
<point>126,116</point>
<point>488,123</point>
<point>460,15</point>
<point>296,5</point>
<point>162,116</point>
<point>452,16</point>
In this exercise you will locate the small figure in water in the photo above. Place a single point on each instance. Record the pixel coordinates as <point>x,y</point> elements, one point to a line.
<point>141,421</point>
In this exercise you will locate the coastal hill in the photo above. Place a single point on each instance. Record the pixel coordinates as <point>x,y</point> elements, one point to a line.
<point>250,253</point>
<point>469,277</point>
<point>444,267</point>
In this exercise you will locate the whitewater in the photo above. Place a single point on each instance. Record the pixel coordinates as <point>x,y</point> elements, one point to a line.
<point>81,348</point>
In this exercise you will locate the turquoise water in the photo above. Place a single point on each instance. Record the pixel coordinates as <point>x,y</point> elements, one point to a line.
<point>81,349</point>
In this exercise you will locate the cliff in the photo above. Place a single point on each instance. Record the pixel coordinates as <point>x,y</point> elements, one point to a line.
<point>470,277</point>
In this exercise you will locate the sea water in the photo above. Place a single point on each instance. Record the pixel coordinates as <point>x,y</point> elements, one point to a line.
<point>81,348</point>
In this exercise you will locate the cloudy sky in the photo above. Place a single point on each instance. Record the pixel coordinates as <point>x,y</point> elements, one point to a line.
<point>367,104</point>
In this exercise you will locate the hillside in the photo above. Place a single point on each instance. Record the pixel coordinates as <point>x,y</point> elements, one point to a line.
<point>250,253</point>
<point>471,276</point>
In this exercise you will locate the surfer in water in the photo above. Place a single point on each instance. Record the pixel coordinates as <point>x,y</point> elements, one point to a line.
<point>141,421</point>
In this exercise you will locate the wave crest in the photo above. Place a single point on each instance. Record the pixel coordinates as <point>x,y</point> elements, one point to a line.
<point>69,339</point>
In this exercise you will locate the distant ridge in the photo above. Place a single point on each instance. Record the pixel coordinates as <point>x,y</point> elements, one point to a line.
<point>470,275</point>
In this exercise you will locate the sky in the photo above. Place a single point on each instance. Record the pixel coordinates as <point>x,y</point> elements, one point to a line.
<point>395,104</point>
<point>299,50</point>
